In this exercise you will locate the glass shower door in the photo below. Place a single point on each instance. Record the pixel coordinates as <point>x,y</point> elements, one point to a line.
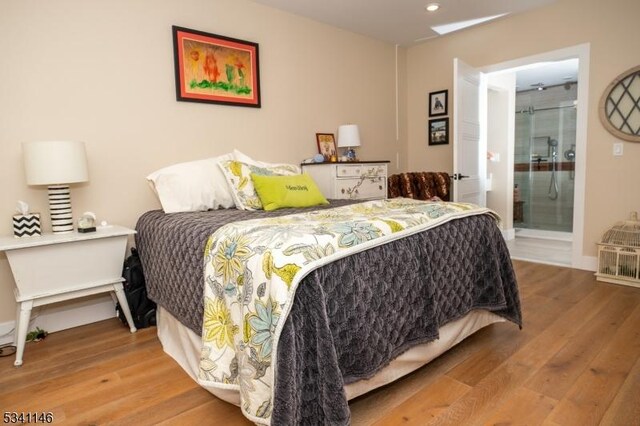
<point>544,154</point>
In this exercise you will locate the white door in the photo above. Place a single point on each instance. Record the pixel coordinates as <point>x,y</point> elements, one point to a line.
<point>469,145</point>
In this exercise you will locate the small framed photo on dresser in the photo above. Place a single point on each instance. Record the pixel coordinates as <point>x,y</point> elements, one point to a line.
<point>438,103</point>
<point>326,145</point>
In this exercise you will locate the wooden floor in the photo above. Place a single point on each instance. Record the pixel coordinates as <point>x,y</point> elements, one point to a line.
<point>575,362</point>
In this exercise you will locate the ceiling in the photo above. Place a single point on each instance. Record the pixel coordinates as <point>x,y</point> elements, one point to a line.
<point>547,74</point>
<point>406,22</point>
<point>400,22</point>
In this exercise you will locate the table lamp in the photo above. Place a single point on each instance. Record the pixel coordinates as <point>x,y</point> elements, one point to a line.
<point>349,137</point>
<point>56,164</point>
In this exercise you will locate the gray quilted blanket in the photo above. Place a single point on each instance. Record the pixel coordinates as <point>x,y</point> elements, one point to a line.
<point>171,248</point>
<point>396,295</point>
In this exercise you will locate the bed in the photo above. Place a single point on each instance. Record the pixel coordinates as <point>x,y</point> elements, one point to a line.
<point>355,321</point>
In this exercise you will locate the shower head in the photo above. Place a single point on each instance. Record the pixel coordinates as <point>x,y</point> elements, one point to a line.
<point>553,142</point>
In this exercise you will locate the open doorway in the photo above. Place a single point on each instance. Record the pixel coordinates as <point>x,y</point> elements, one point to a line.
<point>544,150</point>
<point>544,153</point>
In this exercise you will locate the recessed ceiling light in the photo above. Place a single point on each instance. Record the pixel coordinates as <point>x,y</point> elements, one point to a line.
<point>432,7</point>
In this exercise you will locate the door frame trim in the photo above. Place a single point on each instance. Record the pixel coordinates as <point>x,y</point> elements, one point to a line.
<point>582,52</point>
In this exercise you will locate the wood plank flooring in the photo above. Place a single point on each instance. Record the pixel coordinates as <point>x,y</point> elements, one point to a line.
<point>575,362</point>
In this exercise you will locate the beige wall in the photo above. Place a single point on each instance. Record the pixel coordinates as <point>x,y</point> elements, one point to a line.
<point>613,33</point>
<point>102,72</point>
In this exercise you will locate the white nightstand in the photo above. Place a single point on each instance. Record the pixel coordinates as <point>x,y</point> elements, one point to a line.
<point>56,267</point>
<point>360,180</point>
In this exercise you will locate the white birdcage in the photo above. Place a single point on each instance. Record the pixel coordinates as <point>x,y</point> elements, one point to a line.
<point>619,253</point>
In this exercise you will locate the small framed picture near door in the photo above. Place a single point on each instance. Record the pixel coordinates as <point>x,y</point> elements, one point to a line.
<point>438,103</point>
<point>439,131</point>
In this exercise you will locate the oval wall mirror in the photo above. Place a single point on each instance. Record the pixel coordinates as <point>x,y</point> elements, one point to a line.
<point>620,106</point>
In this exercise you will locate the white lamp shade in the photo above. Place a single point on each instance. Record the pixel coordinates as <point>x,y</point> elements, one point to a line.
<point>55,162</point>
<point>348,136</point>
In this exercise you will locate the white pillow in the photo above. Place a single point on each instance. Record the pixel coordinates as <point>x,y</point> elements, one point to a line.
<point>239,156</point>
<point>192,186</point>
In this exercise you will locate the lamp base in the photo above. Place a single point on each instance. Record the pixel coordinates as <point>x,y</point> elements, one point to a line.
<point>60,209</point>
<point>351,154</point>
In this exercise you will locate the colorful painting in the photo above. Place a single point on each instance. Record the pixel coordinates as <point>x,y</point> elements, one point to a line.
<point>215,69</point>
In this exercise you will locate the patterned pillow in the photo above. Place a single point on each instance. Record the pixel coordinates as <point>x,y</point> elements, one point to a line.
<point>244,158</point>
<point>238,176</point>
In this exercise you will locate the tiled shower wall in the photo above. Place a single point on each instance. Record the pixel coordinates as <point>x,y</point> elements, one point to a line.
<point>532,133</point>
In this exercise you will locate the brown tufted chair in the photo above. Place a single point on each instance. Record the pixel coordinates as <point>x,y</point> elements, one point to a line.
<point>419,185</point>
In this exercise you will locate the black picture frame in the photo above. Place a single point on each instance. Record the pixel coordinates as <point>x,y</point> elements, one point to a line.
<point>212,68</point>
<point>438,102</point>
<point>438,131</point>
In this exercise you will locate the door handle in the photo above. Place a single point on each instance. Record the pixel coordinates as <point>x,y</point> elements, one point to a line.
<point>459,176</point>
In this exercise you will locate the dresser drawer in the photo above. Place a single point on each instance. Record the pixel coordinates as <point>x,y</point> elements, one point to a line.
<point>377,170</point>
<point>348,170</point>
<point>357,170</point>
<point>365,180</point>
<point>361,188</point>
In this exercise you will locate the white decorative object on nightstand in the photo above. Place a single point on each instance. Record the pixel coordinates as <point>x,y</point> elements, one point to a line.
<point>361,180</point>
<point>56,267</point>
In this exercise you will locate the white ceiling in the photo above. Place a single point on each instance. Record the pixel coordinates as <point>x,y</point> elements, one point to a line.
<point>406,22</point>
<point>399,21</point>
<point>547,74</point>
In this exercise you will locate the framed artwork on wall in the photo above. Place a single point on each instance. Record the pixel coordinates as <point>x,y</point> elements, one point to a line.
<point>438,103</point>
<point>439,131</point>
<point>215,69</point>
<point>326,145</point>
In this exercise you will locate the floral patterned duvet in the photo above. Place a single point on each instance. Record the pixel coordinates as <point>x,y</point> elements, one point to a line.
<point>252,269</point>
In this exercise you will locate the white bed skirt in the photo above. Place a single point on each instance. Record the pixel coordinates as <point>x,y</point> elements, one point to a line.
<point>183,345</point>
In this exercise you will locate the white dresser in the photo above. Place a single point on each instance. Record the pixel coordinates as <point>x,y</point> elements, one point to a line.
<point>360,180</point>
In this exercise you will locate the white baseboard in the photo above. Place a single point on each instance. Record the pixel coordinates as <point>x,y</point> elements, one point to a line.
<point>588,263</point>
<point>6,332</point>
<point>61,316</point>
<point>508,234</point>
<point>544,234</point>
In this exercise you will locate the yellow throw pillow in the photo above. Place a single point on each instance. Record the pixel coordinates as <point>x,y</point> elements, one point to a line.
<point>277,192</point>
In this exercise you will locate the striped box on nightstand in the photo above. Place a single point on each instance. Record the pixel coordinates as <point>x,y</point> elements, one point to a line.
<point>26,225</point>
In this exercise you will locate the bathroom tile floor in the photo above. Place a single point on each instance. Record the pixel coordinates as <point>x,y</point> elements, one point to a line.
<point>541,250</point>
